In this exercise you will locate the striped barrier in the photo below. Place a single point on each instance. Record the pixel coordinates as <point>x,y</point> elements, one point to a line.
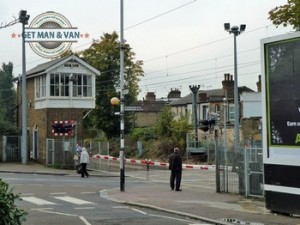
<point>153,163</point>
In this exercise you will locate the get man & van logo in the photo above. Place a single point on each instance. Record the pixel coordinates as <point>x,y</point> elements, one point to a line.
<point>50,35</point>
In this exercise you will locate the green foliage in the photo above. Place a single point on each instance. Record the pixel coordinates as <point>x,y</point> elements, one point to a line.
<point>105,56</point>
<point>158,142</point>
<point>143,134</point>
<point>286,14</point>
<point>163,147</point>
<point>10,214</point>
<point>163,126</point>
<point>168,126</point>
<point>8,99</point>
<point>180,128</point>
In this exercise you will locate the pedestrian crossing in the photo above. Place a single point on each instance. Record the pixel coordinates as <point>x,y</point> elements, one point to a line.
<point>37,201</point>
<point>57,200</point>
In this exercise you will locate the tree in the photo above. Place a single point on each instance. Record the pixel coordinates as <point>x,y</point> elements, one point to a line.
<point>172,131</point>
<point>104,55</point>
<point>9,212</point>
<point>7,99</point>
<point>164,124</point>
<point>288,14</point>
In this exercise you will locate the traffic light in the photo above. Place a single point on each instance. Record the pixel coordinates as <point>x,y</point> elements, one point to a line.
<point>204,125</point>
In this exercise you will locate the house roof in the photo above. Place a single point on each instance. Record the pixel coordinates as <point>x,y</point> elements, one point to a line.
<point>48,66</point>
<point>214,95</point>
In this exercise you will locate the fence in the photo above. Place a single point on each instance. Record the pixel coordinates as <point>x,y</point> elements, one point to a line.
<point>60,152</point>
<point>240,172</point>
<point>244,177</point>
<point>11,148</point>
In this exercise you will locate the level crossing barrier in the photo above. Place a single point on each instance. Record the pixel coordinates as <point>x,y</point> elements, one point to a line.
<point>193,175</point>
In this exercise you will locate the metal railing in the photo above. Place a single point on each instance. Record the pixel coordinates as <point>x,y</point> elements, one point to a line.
<point>245,179</point>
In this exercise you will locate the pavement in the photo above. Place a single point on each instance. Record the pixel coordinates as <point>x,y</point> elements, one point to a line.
<point>202,203</point>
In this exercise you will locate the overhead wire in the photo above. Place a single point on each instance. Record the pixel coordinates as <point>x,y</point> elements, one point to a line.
<point>225,69</point>
<point>176,52</point>
<point>203,75</point>
<point>135,25</point>
<point>202,61</point>
<point>159,15</point>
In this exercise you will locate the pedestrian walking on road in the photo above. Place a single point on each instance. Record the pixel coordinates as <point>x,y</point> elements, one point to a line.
<point>84,160</point>
<point>175,165</point>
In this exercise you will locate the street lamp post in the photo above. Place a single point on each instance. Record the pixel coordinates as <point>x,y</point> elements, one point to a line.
<point>235,30</point>
<point>23,18</point>
<point>195,89</point>
<point>122,105</point>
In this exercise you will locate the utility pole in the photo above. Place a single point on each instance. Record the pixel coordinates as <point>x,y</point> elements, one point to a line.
<point>23,18</point>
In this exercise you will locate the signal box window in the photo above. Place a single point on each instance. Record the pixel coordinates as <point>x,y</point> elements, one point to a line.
<point>59,84</point>
<point>82,85</point>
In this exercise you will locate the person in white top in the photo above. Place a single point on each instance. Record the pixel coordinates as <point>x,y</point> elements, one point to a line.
<point>84,160</point>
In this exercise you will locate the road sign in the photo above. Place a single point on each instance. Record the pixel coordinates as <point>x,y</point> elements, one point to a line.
<point>133,108</point>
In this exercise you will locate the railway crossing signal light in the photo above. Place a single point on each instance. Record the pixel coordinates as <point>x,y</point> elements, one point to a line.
<point>204,125</point>
<point>61,128</point>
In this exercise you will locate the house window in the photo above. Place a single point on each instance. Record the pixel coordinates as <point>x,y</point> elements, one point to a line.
<point>59,84</point>
<point>40,86</point>
<point>231,113</point>
<point>82,85</point>
<point>205,111</point>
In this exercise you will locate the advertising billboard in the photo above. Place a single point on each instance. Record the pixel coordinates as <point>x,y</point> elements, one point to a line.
<point>281,121</point>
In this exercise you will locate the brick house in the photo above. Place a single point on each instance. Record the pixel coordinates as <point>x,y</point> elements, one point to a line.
<point>61,91</point>
<point>147,111</point>
<point>212,101</point>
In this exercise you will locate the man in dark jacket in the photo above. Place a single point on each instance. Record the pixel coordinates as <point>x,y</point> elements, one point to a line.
<point>175,165</point>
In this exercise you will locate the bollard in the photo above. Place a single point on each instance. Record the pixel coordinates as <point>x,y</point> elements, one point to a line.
<point>148,164</point>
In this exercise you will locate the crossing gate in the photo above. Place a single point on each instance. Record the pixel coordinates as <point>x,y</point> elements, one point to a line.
<point>254,182</point>
<point>240,172</point>
<point>60,151</point>
<point>50,152</point>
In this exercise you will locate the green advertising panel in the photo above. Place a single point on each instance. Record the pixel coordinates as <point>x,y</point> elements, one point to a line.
<point>283,92</point>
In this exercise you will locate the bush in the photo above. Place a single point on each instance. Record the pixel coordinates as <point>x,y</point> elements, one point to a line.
<point>10,214</point>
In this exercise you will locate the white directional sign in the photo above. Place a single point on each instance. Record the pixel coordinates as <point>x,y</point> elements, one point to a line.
<point>133,108</point>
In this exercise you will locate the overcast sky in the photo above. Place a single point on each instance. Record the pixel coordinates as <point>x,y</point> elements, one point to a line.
<point>182,42</point>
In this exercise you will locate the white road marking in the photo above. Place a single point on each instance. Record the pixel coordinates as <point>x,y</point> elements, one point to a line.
<point>120,207</point>
<point>161,216</point>
<point>84,220</point>
<point>140,211</point>
<point>87,192</point>
<point>37,201</point>
<point>64,214</point>
<point>58,193</point>
<point>75,201</point>
<point>59,213</point>
<point>82,208</point>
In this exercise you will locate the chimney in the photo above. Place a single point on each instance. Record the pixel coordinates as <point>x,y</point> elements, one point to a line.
<point>228,85</point>
<point>203,97</point>
<point>150,96</point>
<point>258,84</point>
<point>174,94</point>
